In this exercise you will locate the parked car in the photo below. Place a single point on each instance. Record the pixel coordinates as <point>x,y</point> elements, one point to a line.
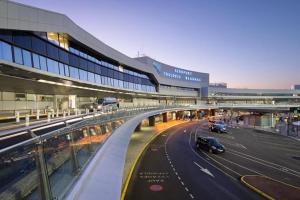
<point>218,127</point>
<point>210,144</point>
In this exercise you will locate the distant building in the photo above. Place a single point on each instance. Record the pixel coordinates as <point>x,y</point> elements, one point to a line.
<point>295,87</point>
<point>218,85</point>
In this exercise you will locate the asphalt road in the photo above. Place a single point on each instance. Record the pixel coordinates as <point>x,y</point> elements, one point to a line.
<point>170,168</point>
<point>253,152</point>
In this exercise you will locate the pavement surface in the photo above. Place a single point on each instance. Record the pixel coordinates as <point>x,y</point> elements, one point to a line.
<point>142,137</point>
<point>170,168</point>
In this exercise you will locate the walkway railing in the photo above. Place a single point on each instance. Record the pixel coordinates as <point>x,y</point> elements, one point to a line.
<point>46,166</point>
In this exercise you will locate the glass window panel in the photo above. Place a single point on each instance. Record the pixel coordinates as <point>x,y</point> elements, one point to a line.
<point>5,51</point>
<point>63,56</point>
<point>53,37</point>
<point>22,39</point>
<point>91,77</point>
<point>73,60</point>
<point>52,66</point>
<point>6,35</point>
<point>27,58</point>
<point>52,51</point>
<point>38,45</point>
<point>43,63</point>
<point>67,73</point>
<point>97,78</point>
<point>18,55</point>
<point>83,63</point>
<point>36,61</point>
<point>83,75</point>
<point>74,72</point>
<point>61,69</point>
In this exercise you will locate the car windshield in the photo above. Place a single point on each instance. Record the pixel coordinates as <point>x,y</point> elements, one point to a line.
<point>213,141</point>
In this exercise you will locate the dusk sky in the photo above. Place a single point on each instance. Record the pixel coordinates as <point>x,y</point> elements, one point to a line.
<point>248,44</point>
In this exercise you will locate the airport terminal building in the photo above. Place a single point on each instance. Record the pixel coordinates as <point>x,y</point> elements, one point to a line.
<point>47,61</point>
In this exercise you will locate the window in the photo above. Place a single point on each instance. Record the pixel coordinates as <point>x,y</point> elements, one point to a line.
<point>63,56</point>
<point>43,63</point>
<point>91,67</point>
<point>38,45</point>
<point>36,61</point>
<point>52,51</point>
<point>73,60</point>
<point>91,77</point>
<point>52,66</point>
<point>67,73</point>
<point>97,78</point>
<point>83,75</point>
<point>5,51</point>
<point>27,58</point>
<point>74,72</point>
<point>18,55</point>
<point>53,38</point>
<point>61,69</point>
<point>6,35</point>
<point>22,40</point>
<point>83,64</point>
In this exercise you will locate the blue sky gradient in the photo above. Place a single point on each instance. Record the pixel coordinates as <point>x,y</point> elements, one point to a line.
<point>248,44</point>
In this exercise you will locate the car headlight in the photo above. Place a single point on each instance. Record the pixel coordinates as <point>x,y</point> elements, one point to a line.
<point>213,147</point>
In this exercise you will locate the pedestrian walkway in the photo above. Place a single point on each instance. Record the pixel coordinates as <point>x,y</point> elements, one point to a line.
<point>140,139</point>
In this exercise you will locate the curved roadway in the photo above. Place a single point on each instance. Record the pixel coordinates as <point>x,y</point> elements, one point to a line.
<point>170,168</point>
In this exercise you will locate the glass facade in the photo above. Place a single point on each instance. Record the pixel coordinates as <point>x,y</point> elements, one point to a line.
<point>52,52</point>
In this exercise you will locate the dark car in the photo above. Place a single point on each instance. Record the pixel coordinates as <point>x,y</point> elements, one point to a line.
<point>218,127</point>
<point>210,144</point>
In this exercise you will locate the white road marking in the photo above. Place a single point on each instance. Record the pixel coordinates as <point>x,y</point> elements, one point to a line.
<point>182,183</point>
<point>192,196</point>
<point>186,189</point>
<point>204,170</point>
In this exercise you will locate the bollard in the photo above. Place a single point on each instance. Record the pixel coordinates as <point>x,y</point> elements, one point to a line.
<point>48,117</point>
<point>86,111</point>
<point>17,116</point>
<point>69,112</point>
<point>27,120</point>
<point>57,113</point>
<point>37,114</point>
<point>64,114</point>
<point>52,112</point>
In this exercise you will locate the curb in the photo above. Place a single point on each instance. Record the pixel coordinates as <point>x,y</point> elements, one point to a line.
<point>255,189</point>
<point>138,158</point>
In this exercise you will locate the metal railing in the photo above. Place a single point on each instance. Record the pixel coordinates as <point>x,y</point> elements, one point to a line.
<point>46,166</point>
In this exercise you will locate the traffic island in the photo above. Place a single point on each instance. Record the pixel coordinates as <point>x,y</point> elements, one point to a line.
<point>270,188</point>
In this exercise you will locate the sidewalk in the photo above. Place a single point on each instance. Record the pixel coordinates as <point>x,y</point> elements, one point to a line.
<point>271,189</point>
<point>140,139</point>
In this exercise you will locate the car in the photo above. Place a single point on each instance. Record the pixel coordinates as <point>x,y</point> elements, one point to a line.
<point>218,127</point>
<point>209,144</point>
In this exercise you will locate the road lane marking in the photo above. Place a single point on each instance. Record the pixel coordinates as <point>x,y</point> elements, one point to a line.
<point>186,189</point>
<point>205,170</point>
<point>192,196</point>
<point>263,162</point>
<point>182,183</point>
<point>211,163</point>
